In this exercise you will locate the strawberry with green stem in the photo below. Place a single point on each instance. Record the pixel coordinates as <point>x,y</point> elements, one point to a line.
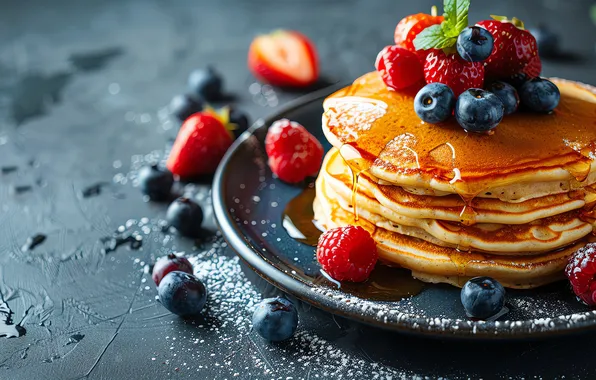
<point>442,64</point>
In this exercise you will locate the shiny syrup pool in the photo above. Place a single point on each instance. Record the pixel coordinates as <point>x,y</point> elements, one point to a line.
<point>384,284</point>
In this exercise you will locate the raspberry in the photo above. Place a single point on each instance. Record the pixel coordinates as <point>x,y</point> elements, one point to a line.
<point>294,153</point>
<point>347,253</point>
<point>581,272</point>
<point>453,71</point>
<point>399,67</point>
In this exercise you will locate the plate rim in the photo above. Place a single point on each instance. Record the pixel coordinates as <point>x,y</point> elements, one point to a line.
<point>415,325</point>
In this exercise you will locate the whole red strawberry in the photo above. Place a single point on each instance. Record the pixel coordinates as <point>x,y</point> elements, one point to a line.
<point>409,27</point>
<point>201,143</point>
<point>453,71</point>
<point>399,68</point>
<point>347,253</point>
<point>294,153</point>
<point>513,49</point>
<point>581,272</point>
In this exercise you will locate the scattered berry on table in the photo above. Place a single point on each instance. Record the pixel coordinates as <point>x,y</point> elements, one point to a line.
<point>284,58</point>
<point>547,40</point>
<point>201,143</point>
<point>182,106</point>
<point>453,71</point>
<point>482,297</point>
<point>540,95</point>
<point>275,319</point>
<point>513,49</point>
<point>399,68</point>
<point>506,94</point>
<point>475,44</point>
<point>206,84</point>
<point>434,103</point>
<point>155,182</point>
<point>186,216</point>
<point>170,263</point>
<point>294,154</point>
<point>183,294</point>
<point>581,272</point>
<point>409,27</point>
<point>477,110</point>
<point>239,119</point>
<point>347,253</point>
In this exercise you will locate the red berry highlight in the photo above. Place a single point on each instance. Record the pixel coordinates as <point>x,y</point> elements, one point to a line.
<point>294,153</point>
<point>347,253</point>
<point>399,68</point>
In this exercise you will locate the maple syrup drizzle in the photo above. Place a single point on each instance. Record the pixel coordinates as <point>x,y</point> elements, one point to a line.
<point>299,217</point>
<point>385,283</point>
<point>358,165</point>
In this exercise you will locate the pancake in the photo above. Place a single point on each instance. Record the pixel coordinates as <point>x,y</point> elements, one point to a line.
<point>505,239</point>
<point>450,207</point>
<point>433,263</point>
<point>528,156</point>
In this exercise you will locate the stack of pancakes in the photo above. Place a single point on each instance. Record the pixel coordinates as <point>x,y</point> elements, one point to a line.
<point>451,205</point>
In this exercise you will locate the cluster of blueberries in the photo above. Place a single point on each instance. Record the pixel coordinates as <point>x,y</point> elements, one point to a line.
<point>480,110</point>
<point>205,86</point>
<point>179,291</point>
<point>275,319</point>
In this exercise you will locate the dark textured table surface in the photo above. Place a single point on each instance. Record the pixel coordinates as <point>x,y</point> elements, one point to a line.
<point>83,87</point>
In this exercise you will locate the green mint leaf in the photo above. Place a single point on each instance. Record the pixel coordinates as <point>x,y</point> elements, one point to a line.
<point>593,13</point>
<point>456,16</point>
<point>433,37</point>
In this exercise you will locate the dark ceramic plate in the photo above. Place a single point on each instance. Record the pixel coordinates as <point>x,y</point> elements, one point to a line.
<point>249,205</point>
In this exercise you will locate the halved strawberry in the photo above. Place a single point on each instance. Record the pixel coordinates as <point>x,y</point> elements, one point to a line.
<point>201,143</point>
<point>284,58</point>
<point>513,48</point>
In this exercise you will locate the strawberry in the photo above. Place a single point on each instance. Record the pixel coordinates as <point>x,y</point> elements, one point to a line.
<point>534,67</point>
<point>284,58</point>
<point>513,50</point>
<point>201,143</point>
<point>294,153</point>
<point>399,68</point>
<point>453,71</point>
<point>409,27</point>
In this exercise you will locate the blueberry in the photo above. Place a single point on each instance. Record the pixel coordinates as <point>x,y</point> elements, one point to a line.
<point>155,183</point>
<point>186,216</point>
<point>540,95</point>
<point>475,44</point>
<point>170,263</point>
<point>275,319</point>
<point>434,103</point>
<point>182,294</point>
<point>517,80</point>
<point>240,119</point>
<point>547,40</point>
<point>182,106</point>
<point>206,83</point>
<point>507,94</point>
<point>477,110</point>
<point>482,297</point>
